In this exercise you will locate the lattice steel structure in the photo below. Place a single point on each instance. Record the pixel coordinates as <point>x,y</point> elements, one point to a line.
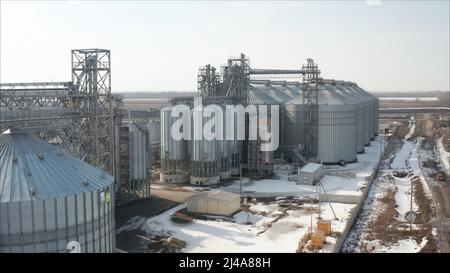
<point>91,73</point>
<point>235,78</point>
<point>207,81</point>
<point>234,82</point>
<point>310,74</point>
<point>80,115</point>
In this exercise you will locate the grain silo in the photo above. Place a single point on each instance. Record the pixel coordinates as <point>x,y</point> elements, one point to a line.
<point>49,198</point>
<point>139,152</point>
<point>225,152</point>
<point>205,157</point>
<point>374,110</point>
<point>347,118</point>
<point>336,126</point>
<point>174,153</point>
<point>235,150</point>
<point>360,113</point>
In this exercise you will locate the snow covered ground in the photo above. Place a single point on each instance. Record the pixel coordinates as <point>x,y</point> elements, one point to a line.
<point>405,162</point>
<point>271,227</point>
<point>402,246</point>
<point>340,180</point>
<point>263,234</point>
<point>444,156</point>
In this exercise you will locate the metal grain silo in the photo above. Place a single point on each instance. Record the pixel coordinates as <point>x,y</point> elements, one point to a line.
<point>174,153</point>
<point>154,127</point>
<point>205,159</point>
<point>235,150</point>
<point>376,117</point>
<point>336,126</point>
<point>374,111</point>
<point>370,113</point>
<point>138,152</point>
<point>292,128</point>
<point>359,102</point>
<point>225,152</point>
<point>49,198</point>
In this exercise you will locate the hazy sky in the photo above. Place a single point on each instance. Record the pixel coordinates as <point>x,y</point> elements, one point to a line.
<point>157,46</point>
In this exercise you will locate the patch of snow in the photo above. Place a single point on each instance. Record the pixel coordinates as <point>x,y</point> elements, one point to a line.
<point>403,197</point>
<point>409,99</point>
<point>282,235</point>
<point>243,217</point>
<point>444,156</point>
<point>340,180</point>
<point>133,223</point>
<point>404,246</point>
<point>402,156</point>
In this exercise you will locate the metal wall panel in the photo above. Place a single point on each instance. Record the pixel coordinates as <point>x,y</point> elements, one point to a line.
<point>205,159</point>
<point>41,225</point>
<point>139,153</point>
<point>337,137</point>
<point>174,153</point>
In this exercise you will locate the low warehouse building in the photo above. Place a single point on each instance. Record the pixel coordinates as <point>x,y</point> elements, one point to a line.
<point>214,203</point>
<point>309,174</point>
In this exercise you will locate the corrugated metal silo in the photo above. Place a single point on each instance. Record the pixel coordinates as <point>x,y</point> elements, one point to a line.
<point>49,198</point>
<point>372,119</point>
<point>139,152</point>
<point>336,126</point>
<point>359,102</point>
<point>205,159</point>
<point>174,153</point>
<point>225,152</point>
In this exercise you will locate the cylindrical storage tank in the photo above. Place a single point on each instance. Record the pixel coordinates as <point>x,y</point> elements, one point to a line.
<point>358,101</point>
<point>336,126</point>
<point>225,152</point>
<point>376,118</point>
<point>292,134</point>
<point>205,159</point>
<point>174,153</point>
<point>51,201</point>
<point>154,128</point>
<point>138,152</point>
<point>371,103</point>
<point>235,151</point>
<point>374,114</point>
<point>361,112</point>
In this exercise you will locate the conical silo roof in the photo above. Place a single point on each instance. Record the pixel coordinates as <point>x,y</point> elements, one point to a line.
<point>32,169</point>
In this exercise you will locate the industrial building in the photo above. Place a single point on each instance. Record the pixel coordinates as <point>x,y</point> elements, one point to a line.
<point>49,198</point>
<point>82,117</point>
<point>309,174</point>
<point>214,203</point>
<point>66,191</point>
<point>321,120</point>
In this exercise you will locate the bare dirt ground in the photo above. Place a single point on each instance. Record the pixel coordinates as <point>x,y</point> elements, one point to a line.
<point>432,129</point>
<point>378,225</point>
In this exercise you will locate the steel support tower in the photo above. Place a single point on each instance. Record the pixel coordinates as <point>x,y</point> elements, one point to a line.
<point>77,115</point>
<point>310,109</point>
<point>93,132</point>
<point>207,81</point>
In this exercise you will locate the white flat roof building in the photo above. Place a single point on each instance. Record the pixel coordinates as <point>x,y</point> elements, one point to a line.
<point>309,174</point>
<point>214,203</point>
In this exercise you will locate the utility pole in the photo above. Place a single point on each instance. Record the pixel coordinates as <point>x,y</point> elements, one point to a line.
<point>240,181</point>
<point>318,185</point>
<point>320,209</point>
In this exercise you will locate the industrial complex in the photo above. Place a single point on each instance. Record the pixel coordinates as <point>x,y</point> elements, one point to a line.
<point>84,170</point>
